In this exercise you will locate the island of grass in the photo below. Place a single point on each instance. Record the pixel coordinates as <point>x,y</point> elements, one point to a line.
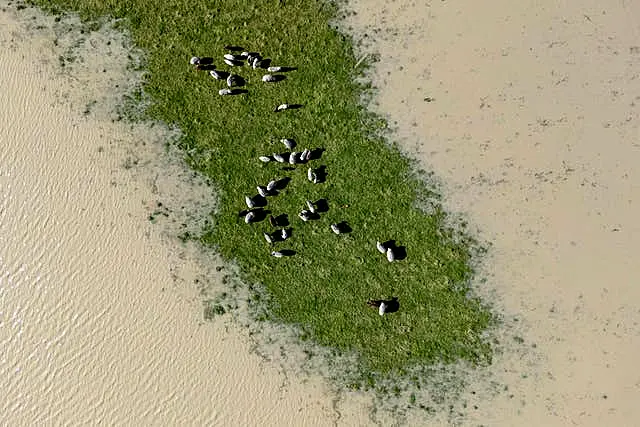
<point>323,289</point>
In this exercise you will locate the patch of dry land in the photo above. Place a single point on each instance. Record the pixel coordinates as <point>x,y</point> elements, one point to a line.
<point>529,114</point>
<point>101,317</point>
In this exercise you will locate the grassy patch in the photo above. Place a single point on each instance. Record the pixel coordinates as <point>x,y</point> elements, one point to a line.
<point>323,289</point>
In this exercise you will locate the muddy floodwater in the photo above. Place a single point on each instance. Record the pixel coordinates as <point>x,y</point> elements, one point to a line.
<point>101,317</point>
<point>528,113</point>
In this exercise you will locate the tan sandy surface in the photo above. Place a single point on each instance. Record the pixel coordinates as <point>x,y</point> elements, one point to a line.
<point>533,129</point>
<point>100,319</point>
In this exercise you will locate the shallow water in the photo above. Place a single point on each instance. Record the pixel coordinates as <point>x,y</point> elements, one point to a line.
<point>101,317</point>
<point>529,115</point>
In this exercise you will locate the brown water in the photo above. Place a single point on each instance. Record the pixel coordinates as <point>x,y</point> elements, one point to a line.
<point>529,114</point>
<point>101,319</point>
<point>531,123</point>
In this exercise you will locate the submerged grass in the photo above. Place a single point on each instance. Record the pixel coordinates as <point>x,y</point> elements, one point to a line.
<point>324,287</point>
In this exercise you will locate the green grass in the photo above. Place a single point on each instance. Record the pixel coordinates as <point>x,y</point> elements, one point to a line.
<point>324,287</point>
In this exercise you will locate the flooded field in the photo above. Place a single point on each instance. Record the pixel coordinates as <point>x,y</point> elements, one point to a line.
<point>528,115</point>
